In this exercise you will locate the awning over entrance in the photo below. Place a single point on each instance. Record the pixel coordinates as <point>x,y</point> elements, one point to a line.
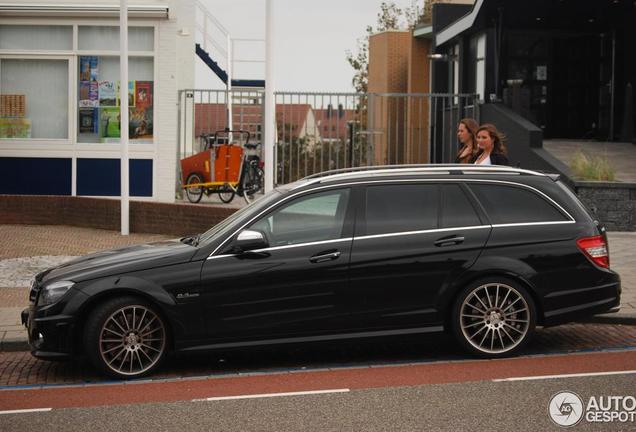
<point>66,10</point>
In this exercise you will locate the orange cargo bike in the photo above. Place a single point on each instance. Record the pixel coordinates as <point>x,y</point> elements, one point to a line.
<point>223,167</point>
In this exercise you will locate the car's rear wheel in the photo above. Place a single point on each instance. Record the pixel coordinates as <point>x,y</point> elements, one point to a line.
<point>125,337</point>
<point>493,317</point>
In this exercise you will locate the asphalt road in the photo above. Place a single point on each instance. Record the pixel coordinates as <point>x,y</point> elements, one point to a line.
<point>481,405</point>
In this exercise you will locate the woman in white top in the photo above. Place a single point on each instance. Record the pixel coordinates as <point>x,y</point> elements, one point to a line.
<point>491,144</point>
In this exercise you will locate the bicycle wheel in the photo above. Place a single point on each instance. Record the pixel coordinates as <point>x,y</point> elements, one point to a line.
<point>226,193</point>
<point>194,194</point>
<point>252,183</point>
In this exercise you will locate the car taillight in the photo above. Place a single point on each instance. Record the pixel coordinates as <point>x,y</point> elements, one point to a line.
<point>595,248</point>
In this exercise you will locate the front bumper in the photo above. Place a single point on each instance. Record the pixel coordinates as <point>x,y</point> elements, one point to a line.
<point>50,337</point>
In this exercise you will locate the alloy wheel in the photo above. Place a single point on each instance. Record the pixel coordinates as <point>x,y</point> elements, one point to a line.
<point>132,340</point>
<point>494,318</point>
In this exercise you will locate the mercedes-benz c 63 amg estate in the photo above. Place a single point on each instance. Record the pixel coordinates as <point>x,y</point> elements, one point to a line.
<point>487,253</point>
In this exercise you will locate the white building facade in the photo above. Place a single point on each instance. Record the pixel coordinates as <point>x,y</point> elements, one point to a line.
<point>59,98</point>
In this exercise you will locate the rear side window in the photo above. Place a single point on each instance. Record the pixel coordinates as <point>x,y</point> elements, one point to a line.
<point>401,208</point>
<point>510,204</point>
<point>457,211</point>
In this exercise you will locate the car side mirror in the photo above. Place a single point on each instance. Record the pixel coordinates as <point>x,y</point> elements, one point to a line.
<point>249,240</point>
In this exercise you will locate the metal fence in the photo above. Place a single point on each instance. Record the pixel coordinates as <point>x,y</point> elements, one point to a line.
<point>322,131</point>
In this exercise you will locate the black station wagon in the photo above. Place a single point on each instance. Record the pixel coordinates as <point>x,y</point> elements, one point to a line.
<point>487,253</point>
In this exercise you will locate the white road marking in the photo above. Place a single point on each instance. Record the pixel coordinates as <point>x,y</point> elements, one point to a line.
<point>267,395</point>
<point>25,411</point>
<point>543,377</point>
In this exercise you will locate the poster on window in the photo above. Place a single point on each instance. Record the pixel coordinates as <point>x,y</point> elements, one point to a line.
<point>88,68</point>
<point>15,128</point>
<point>131,93</point>
<point>88,120</point>
<point>140,123</point>
<point>89,94</point>
<point>107,94</point>
<point>109,123</point>
<point>143,94</point>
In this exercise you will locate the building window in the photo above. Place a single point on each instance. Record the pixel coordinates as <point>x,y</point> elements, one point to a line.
<point>98,99</point>
<point>34,98</point>
<point>107,38</point>
<point>27,37</point>
<point>35,88</point>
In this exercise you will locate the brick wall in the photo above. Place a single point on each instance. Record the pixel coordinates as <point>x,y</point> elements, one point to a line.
<point>613,203</point>
<point>398,63</point>
<point>417,147</point>
<point>145,216</point>
<point>388,73</point>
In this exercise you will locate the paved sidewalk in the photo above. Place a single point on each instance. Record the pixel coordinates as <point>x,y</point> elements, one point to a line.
<point>29,249</point>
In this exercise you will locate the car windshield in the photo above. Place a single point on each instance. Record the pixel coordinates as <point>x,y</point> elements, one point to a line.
<point>220,228</point>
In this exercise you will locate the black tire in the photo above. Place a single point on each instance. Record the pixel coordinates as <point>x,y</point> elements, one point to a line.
<point>125,338</point>
<point>194,194</point>
<point>252,183</point>
<point>226,194</point>
<point>493,317</point>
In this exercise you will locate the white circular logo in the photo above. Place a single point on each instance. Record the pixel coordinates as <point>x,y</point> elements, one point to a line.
<point>566,409</point>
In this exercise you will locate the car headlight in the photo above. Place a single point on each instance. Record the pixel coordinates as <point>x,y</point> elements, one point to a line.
<point>53,292</point>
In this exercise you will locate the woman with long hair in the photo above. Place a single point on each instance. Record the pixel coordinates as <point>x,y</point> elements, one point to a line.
<point>466,134</point>
<point>492,146</point>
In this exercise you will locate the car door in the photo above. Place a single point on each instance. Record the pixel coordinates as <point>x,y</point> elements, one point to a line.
<point>411,241</point>
<point>294,286</point>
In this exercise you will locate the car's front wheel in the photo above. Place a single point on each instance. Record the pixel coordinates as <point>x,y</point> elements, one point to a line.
<point>125,337</point>
<point>493,317</point>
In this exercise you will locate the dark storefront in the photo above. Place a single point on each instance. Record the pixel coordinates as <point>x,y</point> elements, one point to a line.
<point>564,65</point>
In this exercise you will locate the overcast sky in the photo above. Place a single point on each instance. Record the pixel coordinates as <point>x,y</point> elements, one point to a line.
<point>310,40</point>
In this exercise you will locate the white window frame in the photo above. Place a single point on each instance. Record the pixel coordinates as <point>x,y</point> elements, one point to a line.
<point>480,66</point>
<point>454,64</point>
<point>37,145</point>
<point>70,148</point>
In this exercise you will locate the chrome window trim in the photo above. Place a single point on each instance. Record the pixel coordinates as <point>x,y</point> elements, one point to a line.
<point>364,182</point>
<point>405,233</point>
<point>533,223</point>
<point>274,248</point>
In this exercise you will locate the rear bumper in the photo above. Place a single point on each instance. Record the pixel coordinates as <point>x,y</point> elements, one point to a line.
<point>576,304</point>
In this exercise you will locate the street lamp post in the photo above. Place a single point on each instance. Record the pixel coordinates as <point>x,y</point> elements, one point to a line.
<point>123,113</point>
<point>270,103</point>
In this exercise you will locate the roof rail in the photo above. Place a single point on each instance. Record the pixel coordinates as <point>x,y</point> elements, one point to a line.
<point>456,169</point>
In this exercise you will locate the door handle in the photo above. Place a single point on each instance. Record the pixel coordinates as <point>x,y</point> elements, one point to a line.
<point>325,257</point>
<point>449,241</point>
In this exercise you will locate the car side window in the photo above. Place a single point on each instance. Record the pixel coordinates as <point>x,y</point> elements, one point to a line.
<point>457,211</point>
<point>309,218</point>
<point>511,204</point>
<point>401,208</point>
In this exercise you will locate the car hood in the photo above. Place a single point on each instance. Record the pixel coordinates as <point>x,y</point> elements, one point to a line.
<point>121,260</point>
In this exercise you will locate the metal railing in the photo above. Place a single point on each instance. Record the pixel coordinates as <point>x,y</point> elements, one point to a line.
<point>317,132</point>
